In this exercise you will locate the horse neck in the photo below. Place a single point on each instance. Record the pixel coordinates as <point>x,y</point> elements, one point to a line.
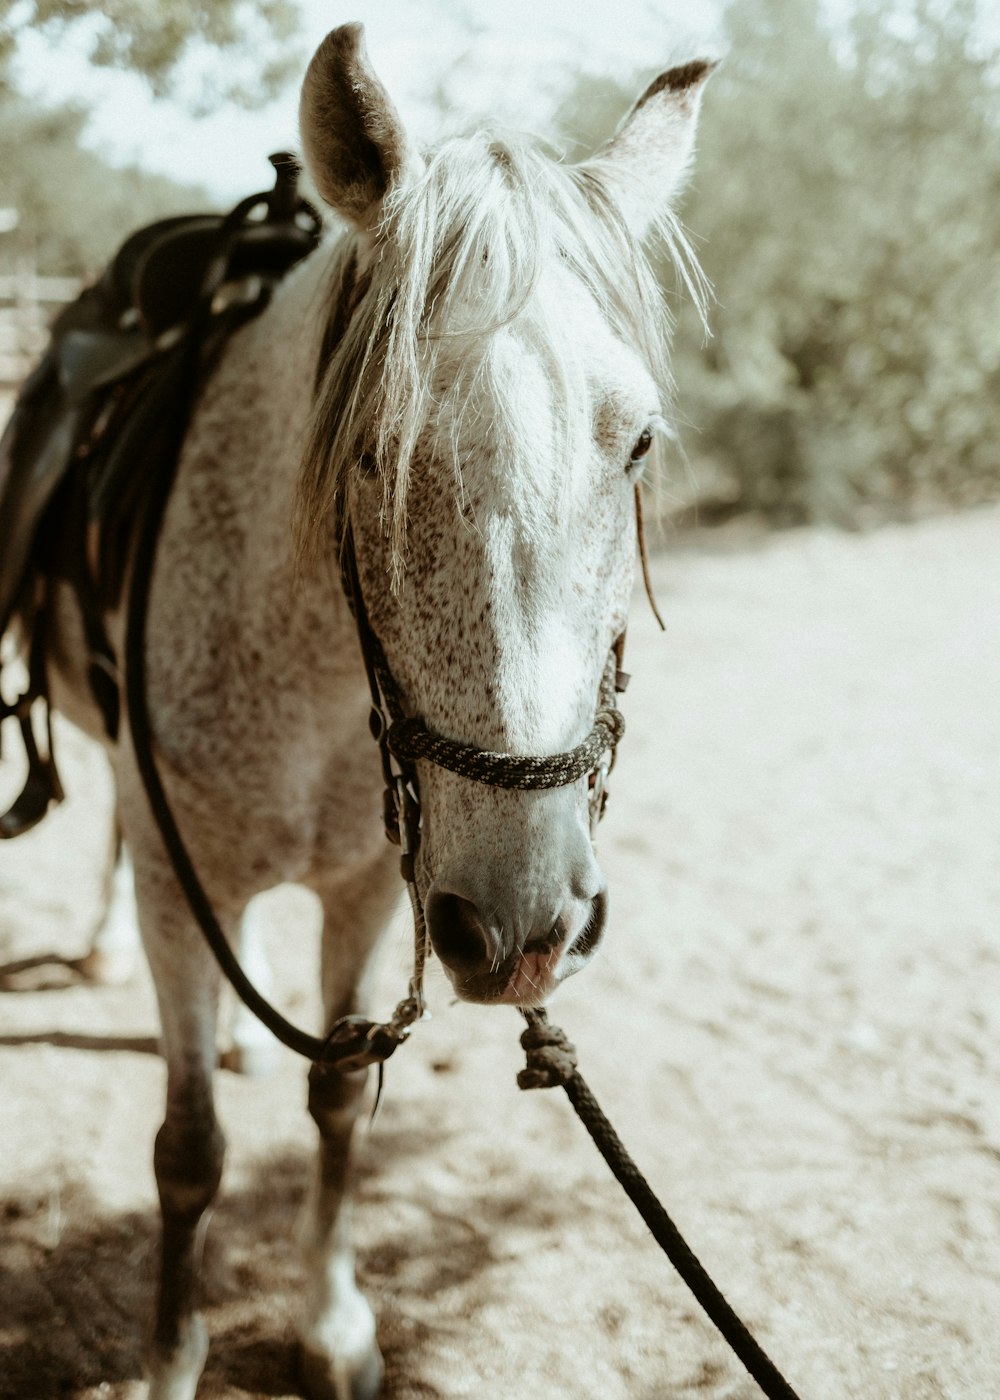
<point>246,451</point>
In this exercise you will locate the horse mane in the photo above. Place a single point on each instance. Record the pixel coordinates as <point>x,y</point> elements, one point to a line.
<point>458,258</point>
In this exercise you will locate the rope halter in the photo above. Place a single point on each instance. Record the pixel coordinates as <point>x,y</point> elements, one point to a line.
<point>407,739</point>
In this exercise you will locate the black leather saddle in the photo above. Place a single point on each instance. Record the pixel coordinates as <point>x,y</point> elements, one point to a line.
<point>98,416</point>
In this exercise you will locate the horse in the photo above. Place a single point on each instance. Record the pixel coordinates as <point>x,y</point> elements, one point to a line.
<point>466,378</point>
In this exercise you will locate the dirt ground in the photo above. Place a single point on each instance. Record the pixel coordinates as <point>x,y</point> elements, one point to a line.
<point>794,1023</point>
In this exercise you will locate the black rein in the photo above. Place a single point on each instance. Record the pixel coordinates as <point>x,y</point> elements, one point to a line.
<point>354,1042</point>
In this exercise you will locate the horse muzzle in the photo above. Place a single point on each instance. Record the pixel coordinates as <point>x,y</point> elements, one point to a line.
<point>488,962</point>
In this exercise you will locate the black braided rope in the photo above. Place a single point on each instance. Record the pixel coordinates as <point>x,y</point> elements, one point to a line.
<point>551,1062</point>
<point>410,739</point>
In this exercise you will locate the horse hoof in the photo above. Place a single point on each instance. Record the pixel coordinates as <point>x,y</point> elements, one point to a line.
<point>326,1378</point>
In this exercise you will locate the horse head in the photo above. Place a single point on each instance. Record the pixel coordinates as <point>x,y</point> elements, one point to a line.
<point>486,409</point>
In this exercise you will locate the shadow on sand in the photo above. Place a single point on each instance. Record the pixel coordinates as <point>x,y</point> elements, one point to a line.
<point>76,1282</point>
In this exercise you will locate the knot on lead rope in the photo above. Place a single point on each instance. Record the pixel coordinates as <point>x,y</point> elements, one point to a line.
<point>410,739</point>
<point>551,1057</point>
<point>551,1061</point>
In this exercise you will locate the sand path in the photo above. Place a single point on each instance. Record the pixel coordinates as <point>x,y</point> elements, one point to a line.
<point>794,1023</point>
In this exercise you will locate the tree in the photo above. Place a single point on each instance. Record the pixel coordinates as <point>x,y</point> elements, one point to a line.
<point>846,206</point>
<point>73,207</point>
<point>157,37</point>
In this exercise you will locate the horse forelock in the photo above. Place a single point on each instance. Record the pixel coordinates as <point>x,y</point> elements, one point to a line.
<point>459,256</point>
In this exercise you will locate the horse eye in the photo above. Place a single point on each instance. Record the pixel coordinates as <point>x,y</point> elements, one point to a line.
<point>642,445</point>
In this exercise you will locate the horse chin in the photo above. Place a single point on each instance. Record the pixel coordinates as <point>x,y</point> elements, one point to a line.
<point>494,991</point>
<point>516,983</point>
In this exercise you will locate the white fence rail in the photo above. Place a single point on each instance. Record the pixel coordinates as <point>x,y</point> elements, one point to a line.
<point>27,304</point>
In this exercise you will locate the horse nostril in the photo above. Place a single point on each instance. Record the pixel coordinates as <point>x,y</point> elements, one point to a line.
<point>587,940</point>
<point>561,932</point>
<point>459,937</point>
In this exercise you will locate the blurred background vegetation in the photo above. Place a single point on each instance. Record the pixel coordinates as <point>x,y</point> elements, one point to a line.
<point>74,207</point>
<point>846,208</point>
<point>845,205</point>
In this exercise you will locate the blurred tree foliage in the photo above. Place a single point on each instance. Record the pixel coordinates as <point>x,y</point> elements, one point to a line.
<point>846,206</point>
<point>74,207</point>
<point>251,40</point>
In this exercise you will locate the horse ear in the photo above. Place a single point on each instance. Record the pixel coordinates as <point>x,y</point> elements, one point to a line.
<point>354,143</point>
<point>645,163</point>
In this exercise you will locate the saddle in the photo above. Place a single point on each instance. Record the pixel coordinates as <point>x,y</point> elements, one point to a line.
<point>102,416</point>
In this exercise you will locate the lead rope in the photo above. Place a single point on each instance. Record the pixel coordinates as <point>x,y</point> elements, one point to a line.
<point>551,1061</point>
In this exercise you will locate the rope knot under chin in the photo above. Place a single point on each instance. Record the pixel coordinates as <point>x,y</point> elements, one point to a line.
<point>551,1057</point>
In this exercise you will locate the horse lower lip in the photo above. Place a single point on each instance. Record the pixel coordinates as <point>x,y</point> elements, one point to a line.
<point>525,993</point>
<point>506,988</point>
<point>523,990</point>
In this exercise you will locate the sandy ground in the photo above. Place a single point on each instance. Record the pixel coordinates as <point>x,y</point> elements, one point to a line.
<point>794,1023</point>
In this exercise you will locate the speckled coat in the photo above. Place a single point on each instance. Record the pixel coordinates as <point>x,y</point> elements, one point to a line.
<point>496,582</point>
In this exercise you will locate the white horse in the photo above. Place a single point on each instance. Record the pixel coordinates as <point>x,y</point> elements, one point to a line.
<point>480,420</point>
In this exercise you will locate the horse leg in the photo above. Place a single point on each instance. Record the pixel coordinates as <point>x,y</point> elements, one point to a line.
<point>252,1050</point>
<point>189,1147</point>
<point>114,941</point>
<point>340,1356</point>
